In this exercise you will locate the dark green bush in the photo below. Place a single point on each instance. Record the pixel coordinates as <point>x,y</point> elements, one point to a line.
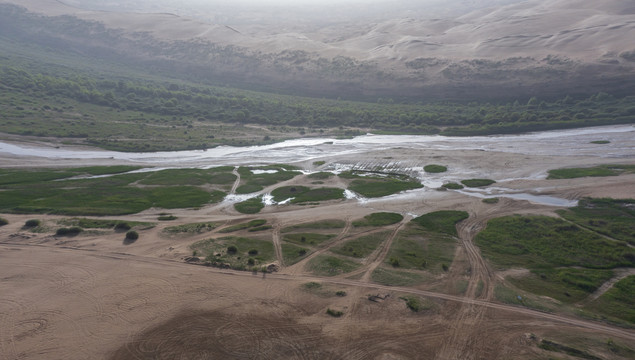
<point>132,235</point>
<point>69,231</point>
<point>122,226</point>
<point>3,221</point>
<point>32,223</point>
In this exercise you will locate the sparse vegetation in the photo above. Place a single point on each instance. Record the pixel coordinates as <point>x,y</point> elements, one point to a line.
<point>443,221</point>
<point>3,221</point>
<point>318,225</point>
<point>379,187</point>
<point>307,239</point>
<point>539,242</point>
<point>493,200</point>
<point>362,246</point>
<point>192,228</point>
<point>244,226</point>
<point>251,206</point>
<point>234,252</point>
<point>132,235</point>
<point>322,175</point>
<point>334,313</point>
<point>291,254</point>
<point>618,302</point>
<point>379,219</point>
<point>611,217</point>
<point>324,265</point>
<point>396,277</point>
<point>601,170</point>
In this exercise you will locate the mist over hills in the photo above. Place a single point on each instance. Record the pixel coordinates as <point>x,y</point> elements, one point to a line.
<point>423,51</point>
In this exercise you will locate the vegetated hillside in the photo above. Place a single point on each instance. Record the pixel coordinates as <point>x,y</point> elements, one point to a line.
<point>529,48</point>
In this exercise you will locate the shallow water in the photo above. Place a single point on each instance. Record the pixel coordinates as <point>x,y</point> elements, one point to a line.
<point>562,142</point>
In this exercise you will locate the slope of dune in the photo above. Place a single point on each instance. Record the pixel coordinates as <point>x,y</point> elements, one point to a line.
<point>536,44</point>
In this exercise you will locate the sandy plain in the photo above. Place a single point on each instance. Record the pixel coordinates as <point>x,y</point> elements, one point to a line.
<point>92,296</point>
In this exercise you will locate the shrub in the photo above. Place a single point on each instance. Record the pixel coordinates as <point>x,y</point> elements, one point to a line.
<point>231,249</point>
<point>251,261</point>
<point>341,293</point>
<point>68,231</point>
<point>394,261</point>
<point>167,217</point>
<point>32,223</point>
<point>3,221</point>
<point>132,235</point>
<point>334,313</point>
<point>253,252</point>
<point>122,226</point>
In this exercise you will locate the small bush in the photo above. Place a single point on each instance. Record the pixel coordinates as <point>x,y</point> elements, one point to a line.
<point>167,217</point>
<point>122,226</point>
<point>251,261</point>
<point>445,267</point>
<point>68,231</point>
<point>231,249</point>
<point>253,252</point>
<point>334,313</point>
<point>491,200</point>
<point>394,262</point>
<point>340,293</point>
<point>3,221</point>
<point>132,235</point>
<point>32,223</point>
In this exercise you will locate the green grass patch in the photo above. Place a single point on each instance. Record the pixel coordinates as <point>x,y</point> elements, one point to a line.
<point>416,304</point>
<point>235,252</point>
<point>251,206</point>
<point>307,239</point>
<point>452,186</point>
<point>421,250</point>
<point>541,242</point>
<point>36,192</point>
<point>611,217</point>
<point>568,285</point>
<point>362,246</point>
<point>271,175</point>
<point>601,170</point>
<point>378,187</point>
<point>395,277</point>
<point>443,221</point>
<point>379,219</point>
<point>433,168</point>
<point>493,200</point>
<point>291,254</point>
<point>191,228</point>
<point>600,142</point>
<point>322,175</point>
<point>260,228</point>
<point>319,163</point>
<point>477,182</point>
<point>301,194</point>
<point>324,265</point>
<point>190,177</point>
<point>317,225</point>
<point>618,302</point>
